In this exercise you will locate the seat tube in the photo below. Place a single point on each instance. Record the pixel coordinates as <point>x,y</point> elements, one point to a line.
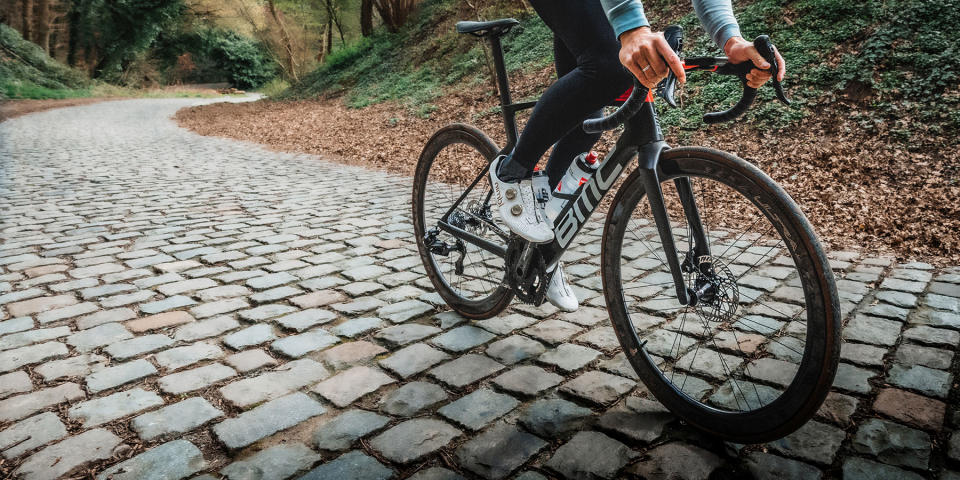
<point>503,84</point>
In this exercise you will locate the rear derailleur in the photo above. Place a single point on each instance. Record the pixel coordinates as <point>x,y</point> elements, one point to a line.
<point>443,249</point>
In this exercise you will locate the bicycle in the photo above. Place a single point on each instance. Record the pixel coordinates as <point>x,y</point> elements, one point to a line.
<point>761,302</point>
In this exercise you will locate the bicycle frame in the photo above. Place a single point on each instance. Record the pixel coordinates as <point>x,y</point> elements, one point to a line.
<point>641,138</point>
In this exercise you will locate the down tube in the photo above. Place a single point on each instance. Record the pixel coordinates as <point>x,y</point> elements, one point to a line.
<point>576,213</point>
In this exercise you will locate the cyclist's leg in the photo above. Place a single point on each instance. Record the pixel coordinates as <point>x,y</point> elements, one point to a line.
<point>576,141</point>
<point>583,28</point>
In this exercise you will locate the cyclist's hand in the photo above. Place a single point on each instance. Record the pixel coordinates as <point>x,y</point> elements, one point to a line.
<point>739,50</point>
<point>647,55</point>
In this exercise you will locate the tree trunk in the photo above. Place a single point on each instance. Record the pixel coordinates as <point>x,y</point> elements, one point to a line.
<point>366,17</point>
<point>27,30</point>
<point>44,26</point>
<point>329,37</point>
<point>332,14</point>
<point>287,44</point>
<point>73,35</point>
<point>322,54</point>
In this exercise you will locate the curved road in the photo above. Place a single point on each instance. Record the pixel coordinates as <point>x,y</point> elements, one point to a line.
<point>172,305</point>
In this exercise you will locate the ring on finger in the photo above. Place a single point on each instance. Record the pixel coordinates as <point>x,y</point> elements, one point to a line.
<point>644,69</point>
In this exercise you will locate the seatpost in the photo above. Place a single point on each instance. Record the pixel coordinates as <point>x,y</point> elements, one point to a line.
<point>509,121</point>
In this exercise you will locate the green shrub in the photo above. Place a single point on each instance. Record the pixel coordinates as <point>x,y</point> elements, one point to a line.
<point>243,60</point>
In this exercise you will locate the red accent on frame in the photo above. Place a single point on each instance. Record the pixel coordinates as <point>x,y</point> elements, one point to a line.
<point>625,95</point>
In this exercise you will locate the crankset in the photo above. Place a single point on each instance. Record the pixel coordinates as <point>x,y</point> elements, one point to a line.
<point>526,271</point>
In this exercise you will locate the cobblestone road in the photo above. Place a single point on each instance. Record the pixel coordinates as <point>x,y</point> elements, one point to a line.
<point>174,306</point>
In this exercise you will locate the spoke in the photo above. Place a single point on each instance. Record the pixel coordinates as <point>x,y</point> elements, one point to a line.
<point>794,317</point>
<point>648,247</point>
<point>762,257</point>
<point>745,249</point>
<point>737,240</point>
<point>683,319</point>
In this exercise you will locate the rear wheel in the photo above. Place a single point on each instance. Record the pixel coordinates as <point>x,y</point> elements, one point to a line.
<point>755,358</point>
<point>471,280</point>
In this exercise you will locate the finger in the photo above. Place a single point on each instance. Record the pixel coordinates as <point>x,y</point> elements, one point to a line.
<point>783,65</point>
<point>758,59</point>
<point>656,60</point>
<point>657,63</point>
<point>655,74</point>
<point>673,61</point>
<point>756,78</point>
<point>647,75</point>
<point>631,65</point>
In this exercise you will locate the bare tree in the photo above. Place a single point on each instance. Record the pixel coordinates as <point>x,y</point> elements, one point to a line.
<point>285,37</point>
<point>333,16</point>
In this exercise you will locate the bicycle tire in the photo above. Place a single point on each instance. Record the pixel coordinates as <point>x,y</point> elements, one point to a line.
<point>815,374</point>
<point>500,298</point>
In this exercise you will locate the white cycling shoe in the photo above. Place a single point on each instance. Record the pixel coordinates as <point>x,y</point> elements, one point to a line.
<point>518,207</point>
<point>559,292</point>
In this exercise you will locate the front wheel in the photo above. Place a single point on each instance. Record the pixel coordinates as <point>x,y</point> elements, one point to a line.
<point>755,358</point>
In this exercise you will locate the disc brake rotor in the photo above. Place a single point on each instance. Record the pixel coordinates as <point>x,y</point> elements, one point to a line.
<point>723,298</point>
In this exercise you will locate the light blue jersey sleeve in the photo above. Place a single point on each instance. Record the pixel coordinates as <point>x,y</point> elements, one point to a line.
<point>715,15</point>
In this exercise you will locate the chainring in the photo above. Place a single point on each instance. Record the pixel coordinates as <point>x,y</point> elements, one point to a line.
<point>529,282</point>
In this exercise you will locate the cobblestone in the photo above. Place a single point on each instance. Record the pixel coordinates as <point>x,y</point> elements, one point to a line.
<point>178,418</point>
<point>245,258</point>
<point>345,388</point>
<point>249,360</point>
<point>274,463</point>
<point>296,346</point>
<point>285,379</point>
<point>121,404</point>
<point>590,455</point>
<point>346,428</point>
<point>98,336</point>
<point>180,357</point>
<point>110,377</point>
<point>60,458</point>
<point>31,433</point>
<point>267,419</point>
<point>171,461</point>
<point>195,379</point>
<point>21,406</point>
<point>893,443</point>
<point>499,451</point>
<point>137,346</point>
<point>353,465</point>
<point>349,354</point>
<point>414,439</point>
<point>479,408</point>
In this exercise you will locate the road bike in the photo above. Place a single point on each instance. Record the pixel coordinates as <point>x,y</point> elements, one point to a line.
<point>716,286</point>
